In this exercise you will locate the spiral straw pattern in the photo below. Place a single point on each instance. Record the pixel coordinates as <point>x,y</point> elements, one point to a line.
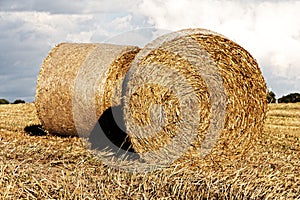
<point>193,93</point>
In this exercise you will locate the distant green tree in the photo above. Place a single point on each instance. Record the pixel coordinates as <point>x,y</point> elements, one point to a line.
<point>4,101</point>
<point>290,98</point>
<point>18,101</point>
<point>271,97</point>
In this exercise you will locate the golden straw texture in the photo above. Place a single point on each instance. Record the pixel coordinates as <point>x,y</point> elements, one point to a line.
<point>78,82</point>
<point>193,94</point>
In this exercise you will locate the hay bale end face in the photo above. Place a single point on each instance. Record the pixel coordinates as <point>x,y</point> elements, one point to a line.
<point>193,93</point>
<point>78,82</point>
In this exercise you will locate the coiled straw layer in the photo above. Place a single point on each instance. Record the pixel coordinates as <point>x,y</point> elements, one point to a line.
<point>78,82</point>
<point>193,93</point>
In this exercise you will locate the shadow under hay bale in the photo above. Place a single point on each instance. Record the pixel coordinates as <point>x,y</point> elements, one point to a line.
<point>110,134</point>
<point>35,130</point>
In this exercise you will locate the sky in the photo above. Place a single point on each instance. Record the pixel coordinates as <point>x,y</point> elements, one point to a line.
<point>268,29</point>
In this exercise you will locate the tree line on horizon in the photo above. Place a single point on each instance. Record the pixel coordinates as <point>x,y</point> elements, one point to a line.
<point>290,98</point>
<point>271,98</point>
<point>4,101</point>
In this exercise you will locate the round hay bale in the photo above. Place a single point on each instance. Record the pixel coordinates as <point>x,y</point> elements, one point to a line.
<point>77,83</point>
<point>193,94</point>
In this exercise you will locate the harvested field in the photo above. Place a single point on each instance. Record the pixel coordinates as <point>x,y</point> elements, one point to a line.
<point>42,166</point>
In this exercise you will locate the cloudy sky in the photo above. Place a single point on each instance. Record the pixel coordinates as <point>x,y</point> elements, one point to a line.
<point>268,29</point>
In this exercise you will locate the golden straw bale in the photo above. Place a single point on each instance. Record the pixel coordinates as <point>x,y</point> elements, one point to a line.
<point>193,94</point>
<point>78,82</point>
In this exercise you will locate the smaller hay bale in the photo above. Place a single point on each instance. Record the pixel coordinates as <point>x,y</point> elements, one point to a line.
<point>193,94</point>
<point>77,83</point>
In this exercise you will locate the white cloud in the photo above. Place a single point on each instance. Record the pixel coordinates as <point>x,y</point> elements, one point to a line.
<point>27,37</point>
<point>122,23</point>
<point>270,30</point>
<point>37,24</point>
<point>68,7</point>
<point>29,30</point>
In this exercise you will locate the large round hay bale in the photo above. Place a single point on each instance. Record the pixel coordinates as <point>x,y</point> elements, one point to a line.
<point>193,94</point>
<point>78,82</point>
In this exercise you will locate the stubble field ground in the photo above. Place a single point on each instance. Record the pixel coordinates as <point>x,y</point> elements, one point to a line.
<point>43,166</point>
